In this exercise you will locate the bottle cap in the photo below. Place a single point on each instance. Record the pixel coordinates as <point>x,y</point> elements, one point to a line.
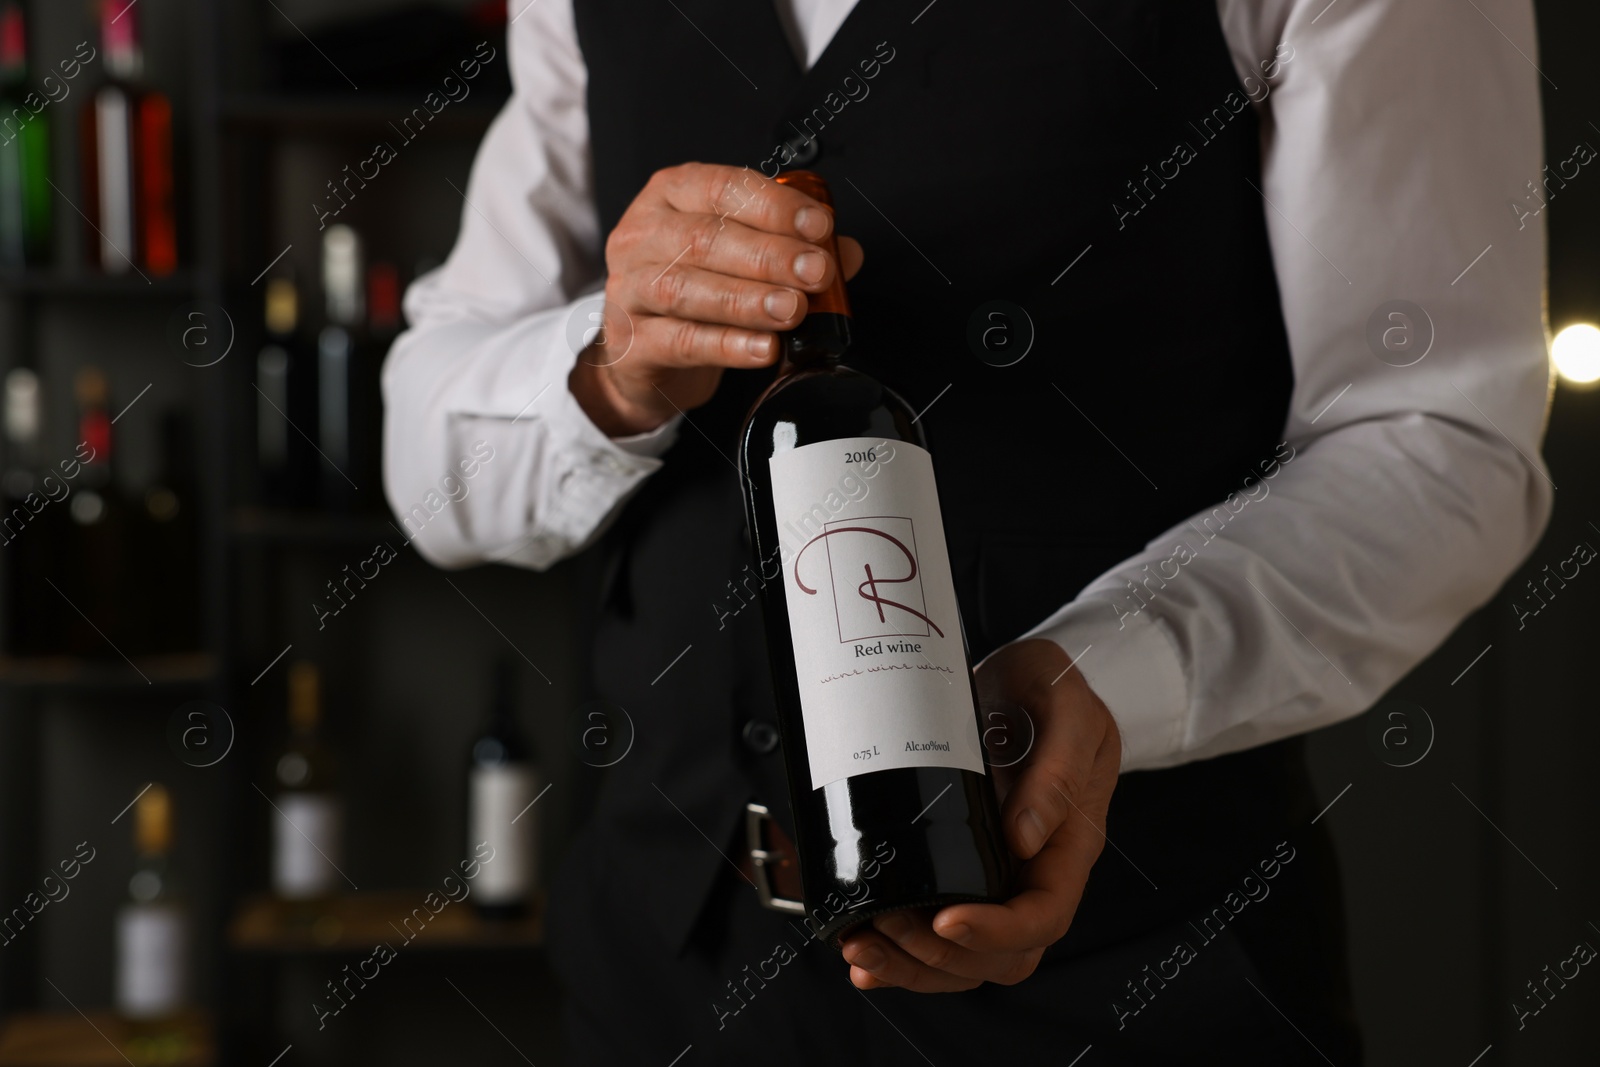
<point>13,39</point>
<point>304,696</point>
<point>283,306</point>
<point>22,406</point>
<point>152,821</point>
<point>832,300</point>
<point>341,274</point>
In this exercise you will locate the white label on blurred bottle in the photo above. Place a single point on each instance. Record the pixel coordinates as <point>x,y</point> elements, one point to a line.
<point>499,795</point>
<point>150,960</point>
<point>306,844</point>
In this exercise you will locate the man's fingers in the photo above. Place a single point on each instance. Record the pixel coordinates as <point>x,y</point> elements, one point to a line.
<point>683,343</point>
<point>685,292</point>
<point>1038,916</point>
<point>743,194</point>
<point>912,934</point>
<point>870,954</point>
<point>728,246</point>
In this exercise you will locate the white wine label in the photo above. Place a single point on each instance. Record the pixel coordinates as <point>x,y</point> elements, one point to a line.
<point>500,798</point>
<point>151,960</point>
<point>872,609</point>
<point>307,839</point>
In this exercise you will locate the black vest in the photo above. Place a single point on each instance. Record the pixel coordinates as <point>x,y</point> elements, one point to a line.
<point>976,151</point>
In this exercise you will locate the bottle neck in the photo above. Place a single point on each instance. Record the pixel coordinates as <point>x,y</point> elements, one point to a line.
<point>823,336</point>
<point>13,45</point>
<point>120,35</point>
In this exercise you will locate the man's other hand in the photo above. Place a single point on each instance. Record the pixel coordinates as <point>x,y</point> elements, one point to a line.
<point>1054,814</point>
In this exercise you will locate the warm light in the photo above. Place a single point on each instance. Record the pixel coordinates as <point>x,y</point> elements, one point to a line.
<point>1576,351</point>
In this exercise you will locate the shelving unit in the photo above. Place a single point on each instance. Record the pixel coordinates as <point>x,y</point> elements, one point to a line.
<point>79,738</point>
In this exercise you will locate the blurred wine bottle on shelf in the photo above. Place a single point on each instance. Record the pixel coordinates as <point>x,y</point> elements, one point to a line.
<point>126,143</point>
<point>91,567</point>
<point>165,543</point>
<point>25,194</point>
<point>152,928</point>
<point>308,823</point>
<point>286,375</point>
<point>502,784</point>
<point>32,495</point>
<point>347,415</point>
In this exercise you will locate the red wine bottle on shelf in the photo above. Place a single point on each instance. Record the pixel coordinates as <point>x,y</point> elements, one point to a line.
<point>93,575</point>
<point>152,945</point>
<point>127,157</point>
<point>893,805</point>
<point>502,784</point>
<point>25,193</point>
<point>308,820</point>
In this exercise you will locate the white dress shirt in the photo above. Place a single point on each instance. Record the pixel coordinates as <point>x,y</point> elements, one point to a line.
<point>1393,144</point>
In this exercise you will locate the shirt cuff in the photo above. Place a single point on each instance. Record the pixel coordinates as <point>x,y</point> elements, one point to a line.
<point>652,443</point>
<point>1132,664</point>
<point>595,473</point>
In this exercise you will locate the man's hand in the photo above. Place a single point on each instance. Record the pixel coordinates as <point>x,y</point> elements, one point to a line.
<point>1054,814</point>
<point>703,269</point>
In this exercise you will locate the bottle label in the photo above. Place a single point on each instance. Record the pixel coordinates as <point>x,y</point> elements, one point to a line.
<point>150,960</point>
<point>878,650</point>
<point>307,834</point>
<point>500,799</point>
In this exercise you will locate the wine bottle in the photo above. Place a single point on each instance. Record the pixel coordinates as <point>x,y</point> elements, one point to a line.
<point>96,536</point>
<point>339,365</point>
<point>286,375</point>
<point>893,806</point>
<point>126,140</point>
<point>152,949</point>
<point>31,512</point>
<point>25,194</point>
<point>308,824</point>
<point>167,582</point>
<point>502,784</point>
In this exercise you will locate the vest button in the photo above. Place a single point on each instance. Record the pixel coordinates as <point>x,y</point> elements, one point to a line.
<point>805,149</point>
<point>760,736</point>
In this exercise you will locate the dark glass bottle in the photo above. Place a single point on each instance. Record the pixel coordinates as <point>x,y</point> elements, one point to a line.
<point>502,784</point>
<point>893,805</point>
<point>286,401</point>
<point>93,572</point>
<point>343,421</point>
<point>25,193</point>
<point>32,494</point>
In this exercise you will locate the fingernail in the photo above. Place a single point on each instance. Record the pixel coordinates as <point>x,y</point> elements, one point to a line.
<point>894,925</point>
<point>869,958</point>
<point>960,933</point>
<point>759,347</point>
<point>810,266</point>
<point>811,222</point>
<point>1031,829</point>
<point>781,304</point>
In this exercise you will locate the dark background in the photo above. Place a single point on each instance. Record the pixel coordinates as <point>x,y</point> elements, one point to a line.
<point>1449,913</point>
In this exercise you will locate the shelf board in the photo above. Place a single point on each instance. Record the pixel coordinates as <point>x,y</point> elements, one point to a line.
<point>67,1039</point>
<point>79,284</point>
<point>358,922</point>
<point>284,526</point>
<point>287,113</point>
<point>71,673</point>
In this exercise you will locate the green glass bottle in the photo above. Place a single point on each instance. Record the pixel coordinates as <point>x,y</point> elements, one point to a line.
<point>25,232</point>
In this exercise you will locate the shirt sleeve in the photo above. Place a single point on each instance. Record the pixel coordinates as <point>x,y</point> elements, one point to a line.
<point>487,456</point>
<point>1401,139</point>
